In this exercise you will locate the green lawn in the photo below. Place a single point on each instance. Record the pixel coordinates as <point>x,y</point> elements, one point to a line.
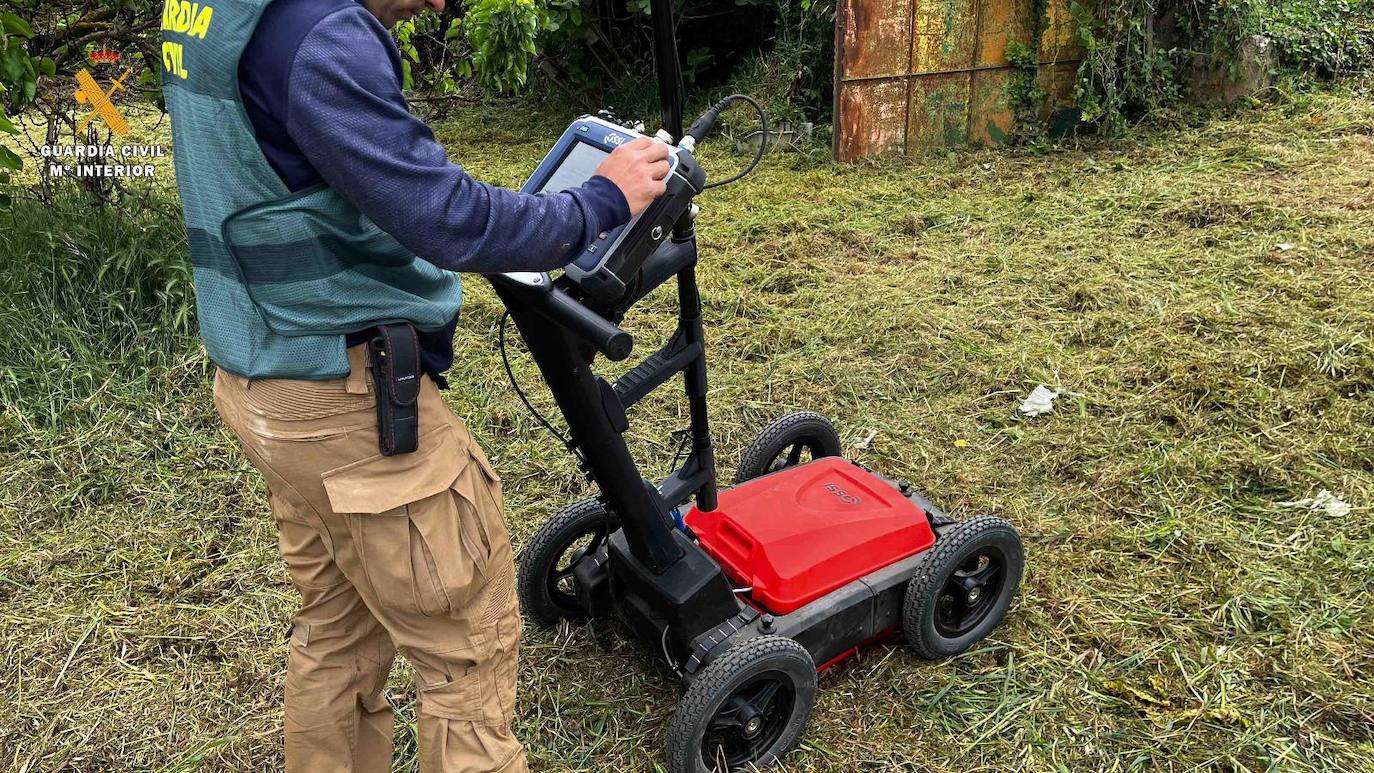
<point>1203,293</point>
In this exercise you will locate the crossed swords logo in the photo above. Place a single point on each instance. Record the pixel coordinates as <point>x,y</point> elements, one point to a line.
<point>101,105</point>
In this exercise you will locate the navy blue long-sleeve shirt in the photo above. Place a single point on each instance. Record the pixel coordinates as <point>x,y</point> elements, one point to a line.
<point>321,84</point>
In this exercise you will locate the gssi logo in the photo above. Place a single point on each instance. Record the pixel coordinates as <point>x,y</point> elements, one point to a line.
<point>841,494</point>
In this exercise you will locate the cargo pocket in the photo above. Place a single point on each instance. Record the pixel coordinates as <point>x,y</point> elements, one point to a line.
<point>493,480</point>
<point>451,545</point>
<point>450,689</point>
<point>422,542</point>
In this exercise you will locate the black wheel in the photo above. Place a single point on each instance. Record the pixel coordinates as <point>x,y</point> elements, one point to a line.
<point>964,588</point>
<point>748,707</point>
<point>548,591</point>
<point>787,442</point>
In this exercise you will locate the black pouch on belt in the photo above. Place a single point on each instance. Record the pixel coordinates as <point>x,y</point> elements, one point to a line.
<point>395,353</point>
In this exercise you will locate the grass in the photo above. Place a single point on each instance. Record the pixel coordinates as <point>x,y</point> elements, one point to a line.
<point>1204,293</point>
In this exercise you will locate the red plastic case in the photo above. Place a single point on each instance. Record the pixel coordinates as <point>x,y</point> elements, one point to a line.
<point>798,534</point>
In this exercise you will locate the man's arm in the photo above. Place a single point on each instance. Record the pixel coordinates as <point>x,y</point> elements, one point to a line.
<point>346,112</point>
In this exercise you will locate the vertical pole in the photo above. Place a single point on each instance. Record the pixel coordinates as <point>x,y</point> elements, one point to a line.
<point>694,382</point>
<point>566,366</point>
<point>667,67</point>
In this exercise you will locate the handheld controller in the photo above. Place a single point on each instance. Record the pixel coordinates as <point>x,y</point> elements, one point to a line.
<point>607,266</point>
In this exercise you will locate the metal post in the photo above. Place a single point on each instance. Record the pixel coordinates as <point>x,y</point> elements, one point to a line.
<point>694,381</point>
<point>667,67</point>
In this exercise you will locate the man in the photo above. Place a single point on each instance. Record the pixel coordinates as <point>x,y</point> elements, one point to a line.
<point>318,208</point>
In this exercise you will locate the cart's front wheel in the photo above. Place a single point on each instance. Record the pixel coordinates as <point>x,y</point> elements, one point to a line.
<point>964,588</point>
<point>746,709</point>
<point>787,442</point>
<point>548,590</point>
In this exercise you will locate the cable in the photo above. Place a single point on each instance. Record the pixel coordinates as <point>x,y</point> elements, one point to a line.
<point>510,375</point>
<point>668,657</point>
<point>763,142</point>
<point>682,436</point>
<point>703,125</point>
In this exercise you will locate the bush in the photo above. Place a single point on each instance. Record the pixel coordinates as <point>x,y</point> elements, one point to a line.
<point>780,51</point>
<point>1326,38</point>
<point>1139,53</point>
<point>793,78</point>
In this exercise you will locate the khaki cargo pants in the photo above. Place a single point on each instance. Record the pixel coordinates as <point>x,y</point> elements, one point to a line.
<point>404,553</point>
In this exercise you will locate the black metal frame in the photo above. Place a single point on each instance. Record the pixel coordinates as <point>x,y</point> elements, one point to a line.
<point>649,572</point>
<point>659,581</point>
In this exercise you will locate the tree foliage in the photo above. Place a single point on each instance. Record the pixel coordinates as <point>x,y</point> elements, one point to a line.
<point>494,45</point>
<point>18,83</point>
<point>603,49</point>
<point>1137,52</point>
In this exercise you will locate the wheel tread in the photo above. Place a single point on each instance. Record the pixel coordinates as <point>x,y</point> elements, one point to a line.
<point>530,587</point>
<point>716,675</point>
<point>756,455</point>
<point>918,592</point>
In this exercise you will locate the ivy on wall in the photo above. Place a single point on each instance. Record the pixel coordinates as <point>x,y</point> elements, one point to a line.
<point>1139,54</point>
<point>1023,89</point>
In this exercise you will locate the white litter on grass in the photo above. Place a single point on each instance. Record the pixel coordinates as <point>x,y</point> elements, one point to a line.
<point>1285,247</point>
<point>863,445</point>
<point>1334,506</point>
<point>1041,400</point>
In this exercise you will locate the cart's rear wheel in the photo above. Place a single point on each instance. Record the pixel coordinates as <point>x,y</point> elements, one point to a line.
<point>964,589</point>
<point>746,709</point>
<point>787,442</point>
<point>548,590</point>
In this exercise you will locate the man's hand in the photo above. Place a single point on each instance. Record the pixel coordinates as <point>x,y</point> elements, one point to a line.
<point>637,168</point>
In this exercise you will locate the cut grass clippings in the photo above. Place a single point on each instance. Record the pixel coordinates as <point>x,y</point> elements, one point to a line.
<point>1202,296</point>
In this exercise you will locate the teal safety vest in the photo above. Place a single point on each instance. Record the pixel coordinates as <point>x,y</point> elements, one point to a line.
<point>280,277</point>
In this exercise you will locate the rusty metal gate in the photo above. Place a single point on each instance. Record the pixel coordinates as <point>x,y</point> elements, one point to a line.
<point>913,75</point>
